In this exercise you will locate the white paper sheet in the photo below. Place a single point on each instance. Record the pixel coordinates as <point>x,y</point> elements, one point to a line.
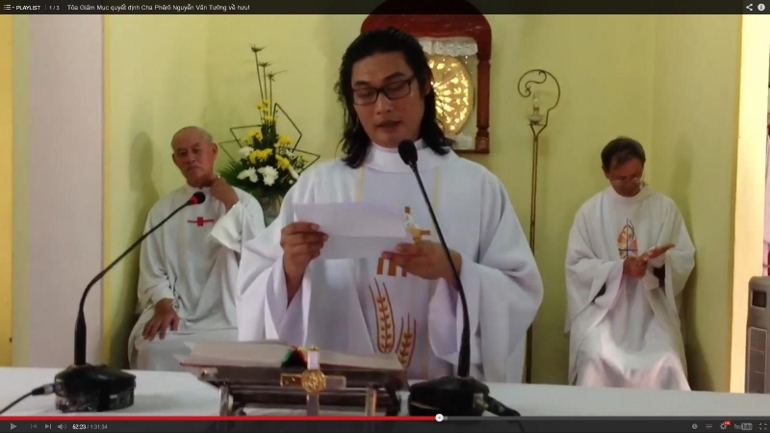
<point>356,230</point>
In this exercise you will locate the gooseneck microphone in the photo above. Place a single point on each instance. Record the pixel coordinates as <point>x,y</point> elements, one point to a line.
<point>83,387</point>
<point>460,395</point>
<point>408,153</point>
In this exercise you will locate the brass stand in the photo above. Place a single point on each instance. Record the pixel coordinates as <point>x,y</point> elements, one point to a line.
<point>537,123</point>
<point>337,388</point>
<point>236,397</point>
<point>314,382</point>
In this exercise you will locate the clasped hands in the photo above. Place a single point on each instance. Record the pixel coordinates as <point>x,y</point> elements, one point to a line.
<point>302,242</point>
<point>637,266</point>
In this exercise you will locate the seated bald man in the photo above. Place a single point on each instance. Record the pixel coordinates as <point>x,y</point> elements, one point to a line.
<point>186,276</point>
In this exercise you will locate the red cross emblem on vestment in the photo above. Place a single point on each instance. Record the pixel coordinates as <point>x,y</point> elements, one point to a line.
<point>200,221</point>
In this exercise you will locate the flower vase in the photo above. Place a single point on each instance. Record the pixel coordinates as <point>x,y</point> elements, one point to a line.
<point>271,207</point>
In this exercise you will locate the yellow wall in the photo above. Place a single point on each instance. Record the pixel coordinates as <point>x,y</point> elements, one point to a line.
<point>109,317</point>
<point>309,53</point>
<point>654,79</point>
<point>158,82</point>
<point>694,134</point>
<point>709,123</point>
<point>6,187</point>
<point>751,158</point>
<point>606,92</point>
<point>21,233</point>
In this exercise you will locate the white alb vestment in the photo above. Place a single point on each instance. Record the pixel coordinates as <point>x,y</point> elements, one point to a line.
<point>370,306</point>
<point>181,261</point>
<point>626,331</point>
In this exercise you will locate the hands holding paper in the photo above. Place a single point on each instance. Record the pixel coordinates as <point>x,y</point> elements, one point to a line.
<point>301,243</point>
<point>637,266</point>
<point>337,231</point>
<point>426,260</point>
<point>656,252</point>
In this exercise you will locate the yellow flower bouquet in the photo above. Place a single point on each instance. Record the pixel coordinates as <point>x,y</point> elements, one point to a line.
<point>268,163</point>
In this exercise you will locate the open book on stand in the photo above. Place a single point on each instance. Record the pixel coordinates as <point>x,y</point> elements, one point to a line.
<point>273,374</point>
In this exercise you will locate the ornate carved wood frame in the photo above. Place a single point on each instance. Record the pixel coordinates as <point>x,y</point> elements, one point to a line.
<point>468,22</point>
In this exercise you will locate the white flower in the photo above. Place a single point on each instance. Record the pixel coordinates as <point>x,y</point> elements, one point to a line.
<point>269,174</point>
<point>289,153</point>
<point>245,151</point>
<point>293,173</point>
<point>249,173</point>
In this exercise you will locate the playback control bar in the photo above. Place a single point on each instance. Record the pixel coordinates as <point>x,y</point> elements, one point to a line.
<point>384,425</point>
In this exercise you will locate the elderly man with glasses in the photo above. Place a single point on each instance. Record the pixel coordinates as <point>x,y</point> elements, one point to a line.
<point>628,259</point>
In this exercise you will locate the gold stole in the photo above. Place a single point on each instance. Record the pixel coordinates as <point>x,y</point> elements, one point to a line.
<point>386,343</point>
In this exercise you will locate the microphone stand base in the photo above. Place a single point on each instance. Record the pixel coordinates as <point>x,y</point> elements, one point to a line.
<point>449,395</point>
<point>93,388</point>
<point>454,396</point>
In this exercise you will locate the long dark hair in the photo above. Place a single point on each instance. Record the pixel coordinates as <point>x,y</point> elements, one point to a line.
<point>355,141</point>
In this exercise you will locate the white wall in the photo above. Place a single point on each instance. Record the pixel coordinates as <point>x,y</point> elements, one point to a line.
<point>64,200</point>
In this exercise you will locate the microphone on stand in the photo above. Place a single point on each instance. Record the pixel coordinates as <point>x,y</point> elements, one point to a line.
<point>460,395</point>
<point>83,387</point>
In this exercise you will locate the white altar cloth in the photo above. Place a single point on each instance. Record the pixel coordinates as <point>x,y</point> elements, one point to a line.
<point>181,394</point>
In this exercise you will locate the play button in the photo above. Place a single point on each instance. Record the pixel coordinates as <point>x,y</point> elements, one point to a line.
<point>13,426</point>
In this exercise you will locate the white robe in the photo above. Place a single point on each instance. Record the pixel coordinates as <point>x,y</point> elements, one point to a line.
<point>630,335</point>
<point>181,261</point>
<point>368,306</point>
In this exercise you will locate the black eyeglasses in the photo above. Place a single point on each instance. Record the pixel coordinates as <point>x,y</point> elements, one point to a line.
<point>393,90</point>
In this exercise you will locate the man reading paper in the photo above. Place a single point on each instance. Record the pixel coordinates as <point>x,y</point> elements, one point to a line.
<point>404,302</point>
<point>628,259</point>
<point>186,277</point>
